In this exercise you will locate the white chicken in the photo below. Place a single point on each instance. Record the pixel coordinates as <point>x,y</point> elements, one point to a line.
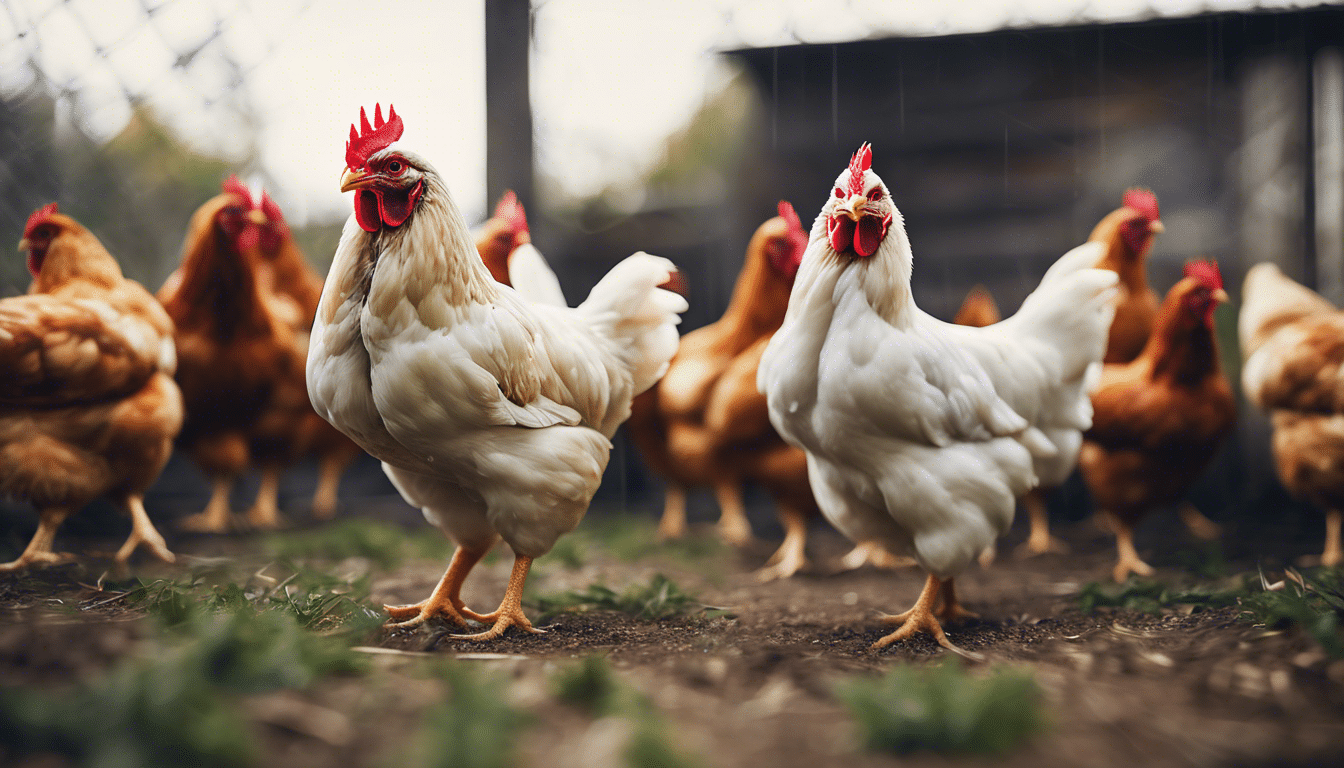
<point>491,414</point>
<point>920,435</point>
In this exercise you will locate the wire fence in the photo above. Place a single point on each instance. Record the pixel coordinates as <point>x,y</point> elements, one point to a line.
<point>129,113</point>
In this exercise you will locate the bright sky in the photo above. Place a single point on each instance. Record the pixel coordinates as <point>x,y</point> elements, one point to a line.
<point>610,80</point>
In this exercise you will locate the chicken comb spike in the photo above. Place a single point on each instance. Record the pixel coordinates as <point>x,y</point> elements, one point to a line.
<point>790,216</point>
<point>1143,201</point>
<point>272,211</point>
<point>233,186</point>
<point>1206,272</point>
<point>38,218</point>
<point>860,162</point>
<point>511,211</point>
<point>371,138</point>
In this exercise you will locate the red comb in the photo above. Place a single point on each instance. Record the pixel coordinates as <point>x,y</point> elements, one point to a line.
<point>272,211</point>
<point>860,162</point>
<point>38,218</point>
<point>510,210</point>
<point>1143,201</point>
<point>371,138</point>
<point>235,187</point>
<point>790,216</point>
<point>1206,272</point>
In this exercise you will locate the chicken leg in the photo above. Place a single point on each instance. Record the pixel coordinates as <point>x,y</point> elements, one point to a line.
<point>510,610</point>
<point>1128,561</point>
<point>1332,555</point>
<point>921,617</point>
<point>672,525</point>
<point>330,467</point>
<point>143,532</point>
<point>871,553</point>
<point>215,517</point>
<point>265,511</point>
<point>38,551</point>
<point>734,527</point>
<point>790,557</point>
<point>1199,526</point>
<point>445,601</point>
<point>1039,541</point>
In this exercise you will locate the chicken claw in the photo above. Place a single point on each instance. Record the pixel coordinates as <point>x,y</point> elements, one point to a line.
<point>445,602</point>
<point>215,518</point>
<point>1039,541</point>
<point>265,511</point>
<point>672,525</point>
<point>789,558</point>
<point>871,553</point>
<point>38,551</point>
<point>143,532</point>
<point>1199,526</point>
<point>921,617</point>
<point>510,610</point>
<point>734,528</point>
<point>1129,561</point>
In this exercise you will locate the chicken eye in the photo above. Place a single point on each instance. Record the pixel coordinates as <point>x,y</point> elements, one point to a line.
<point>875,194</point>
<point>395,167</point>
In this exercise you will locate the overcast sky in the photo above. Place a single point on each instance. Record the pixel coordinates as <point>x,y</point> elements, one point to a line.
<point>610,80</point>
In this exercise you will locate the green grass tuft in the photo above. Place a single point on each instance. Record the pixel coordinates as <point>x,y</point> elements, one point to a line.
<point>179,706</point>
<point>1154,596</point>
<point>473,728</point>
<point>591,686</point>
<point>659,599</point>
<point>1313,601</point>
<point>385,545</point>
<point>944,708</point>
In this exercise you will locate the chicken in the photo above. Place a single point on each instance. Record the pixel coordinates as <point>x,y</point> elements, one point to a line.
<point>668,423</point>
<point>293,288</point>
<point>920,435</point>
<point>1128,233</point>
<point>1293,342</point>
<point>88,407</point>
<point>977,311</point>
<point>1159,419</point>
<point>505,245</point>
<point>240,361</point>
<point>491,414</point>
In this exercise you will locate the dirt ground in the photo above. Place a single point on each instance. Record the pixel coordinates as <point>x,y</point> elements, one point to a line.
<point>748,677</point>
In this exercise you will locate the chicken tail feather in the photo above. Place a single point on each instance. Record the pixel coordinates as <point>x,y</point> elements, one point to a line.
<point>628,306</point>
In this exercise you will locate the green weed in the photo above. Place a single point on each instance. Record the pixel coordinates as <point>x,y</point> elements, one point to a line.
<point>473,728</point>
<point>1150,596</point>
<point>943,708</point>
<point>384,544</point>
<point>1313,601</point>
<point>659,599</point>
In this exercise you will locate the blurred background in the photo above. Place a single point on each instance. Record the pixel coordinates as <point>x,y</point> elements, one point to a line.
<point>1005,129</point>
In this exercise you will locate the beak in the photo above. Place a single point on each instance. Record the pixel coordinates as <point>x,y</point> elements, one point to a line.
<point>24,245</point>
<point>1221,296</point>
<point>1155,226</point>
<point>853,207</point>
<point>356,179</point>
<point>256,217</point>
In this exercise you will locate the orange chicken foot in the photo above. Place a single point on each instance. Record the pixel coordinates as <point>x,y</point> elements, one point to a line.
<point>510,610</point>
<point>38,551</point>
<point>1128,561</point>
<point>790,557</point>
<point>870,553</point>
<point>215,517</point>
<point>672,525</point>
<point>265,511</point>
<point>143,532</point>
<point>921,617</point>
<point>329,470</point>
<point>734,527</point>
<point>1039,541</point>
<point>446,600</point>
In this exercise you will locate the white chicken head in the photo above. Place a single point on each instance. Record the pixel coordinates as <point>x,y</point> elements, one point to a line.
<point>388,181</point>
<point>859,211</point>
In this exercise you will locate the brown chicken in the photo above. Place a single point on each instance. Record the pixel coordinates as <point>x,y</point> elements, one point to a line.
<point>1159,419</point>
<point>240,359</point>
<point>294,289</point>
<point>1293,340</point>
<point>669,424</point>
<point>88,407</point>
<point>501,234</point>
<point>1128,233</point>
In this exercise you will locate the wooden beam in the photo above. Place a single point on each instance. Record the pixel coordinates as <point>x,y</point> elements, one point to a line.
<point>508,107</point>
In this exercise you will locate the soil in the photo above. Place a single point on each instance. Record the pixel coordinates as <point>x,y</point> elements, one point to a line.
<point>747,679</point>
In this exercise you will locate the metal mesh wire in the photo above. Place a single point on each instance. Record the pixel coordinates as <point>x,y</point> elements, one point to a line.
<point>127,112</point>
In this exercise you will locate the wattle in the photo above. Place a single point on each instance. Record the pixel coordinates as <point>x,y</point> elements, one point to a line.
<point>841,231</point>
<point>366,210</point>
<point>863,236</point>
